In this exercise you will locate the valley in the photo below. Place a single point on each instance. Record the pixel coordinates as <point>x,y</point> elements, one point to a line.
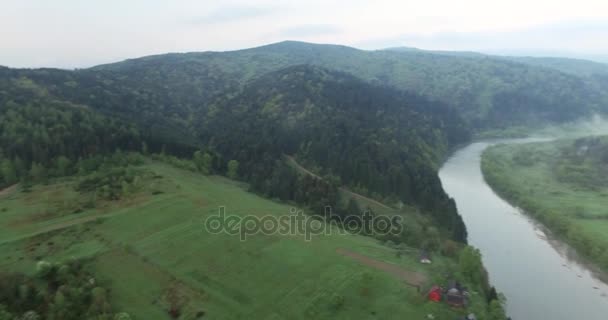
<point>109,174</point>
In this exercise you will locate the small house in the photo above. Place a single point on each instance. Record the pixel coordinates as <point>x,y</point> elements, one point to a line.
<point>435,294</point>
<point>456,295</point>
<point>425,258</point>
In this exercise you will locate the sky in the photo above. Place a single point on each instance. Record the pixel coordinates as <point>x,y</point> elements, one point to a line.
<point>83,33</point>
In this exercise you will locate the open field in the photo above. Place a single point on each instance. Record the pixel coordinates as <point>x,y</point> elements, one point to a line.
<point>562,184</point>
<point>153,252</point>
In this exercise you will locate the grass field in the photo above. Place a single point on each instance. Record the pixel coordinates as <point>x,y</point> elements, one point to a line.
<point>558,184</point>
<point>153,251</point>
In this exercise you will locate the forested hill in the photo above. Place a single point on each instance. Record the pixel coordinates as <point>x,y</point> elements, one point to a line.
<point>374,139</point>
<point>385,143</point>
<point>489,92</point>
<point>160,120</point>
<point>377,121</point>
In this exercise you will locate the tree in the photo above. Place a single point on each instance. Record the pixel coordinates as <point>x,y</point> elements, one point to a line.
<point>353,208</point>
<point>9,174</point>
<point>5,315</point>
<point>203,161</point>
<point>471,265</point>
<point>38,173</point>
<point>207,162</point>
<point>144,148</point>
<point>63,166</point>
<point>233,168</point>
<point>30,315</point>
<point>122,316</point>
<point>496,311</point>
<point>44,269</point>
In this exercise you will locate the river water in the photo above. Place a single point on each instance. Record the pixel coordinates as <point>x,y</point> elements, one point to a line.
<point>537,275</point>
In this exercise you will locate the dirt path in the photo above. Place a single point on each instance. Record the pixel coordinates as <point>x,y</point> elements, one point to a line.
<point>299,167</point>
<point>354,194</point>
<point>414,279</point>
<point>59,226</point>
<point>357,195</point>
<point>7,190</point>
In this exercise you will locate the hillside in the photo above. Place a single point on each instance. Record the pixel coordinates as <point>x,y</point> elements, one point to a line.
<point>153,253</point>
<point>156,116</point>
<point>576,67</point>
<point>489,92</point>
<point>378,140</point>
<point>382,141</point>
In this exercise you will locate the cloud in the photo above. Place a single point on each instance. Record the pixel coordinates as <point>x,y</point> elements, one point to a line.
<point>310,30</point>
<point>229,14</point>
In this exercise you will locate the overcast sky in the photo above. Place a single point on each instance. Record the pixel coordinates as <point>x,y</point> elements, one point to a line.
<point>81,33</point>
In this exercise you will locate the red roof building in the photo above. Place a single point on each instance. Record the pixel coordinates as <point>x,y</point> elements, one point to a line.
<point>435,294</point>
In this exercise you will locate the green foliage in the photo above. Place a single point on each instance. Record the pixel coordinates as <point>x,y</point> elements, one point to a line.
<point>181,163</point>
<point>390,150</point>
<point>44,269</point>
<point>496,311</point>
<point>337,302</point>
<point>60,291</point>
<point>489,92</point>
<point>233,169</point>
<point>203,161</point>
<point>111,183</point>
<point>4,314</point>
<point>9,174</point>
<point>122,316</point>
<point>471,265</point>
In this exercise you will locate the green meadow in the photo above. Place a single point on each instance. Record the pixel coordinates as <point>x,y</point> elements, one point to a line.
<point>153,253</point>
<point>561,183</point>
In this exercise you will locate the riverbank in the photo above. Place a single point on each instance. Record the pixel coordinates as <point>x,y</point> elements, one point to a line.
<point>559,184</point>
<point>537,279</point>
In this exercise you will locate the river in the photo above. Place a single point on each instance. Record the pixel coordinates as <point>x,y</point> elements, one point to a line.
<point>536,275</point>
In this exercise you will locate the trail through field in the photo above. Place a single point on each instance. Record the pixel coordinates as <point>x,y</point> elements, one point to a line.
<point>59,226</point>
<point>293,161</point>
<point>412,278</point>
<point>7,190</point>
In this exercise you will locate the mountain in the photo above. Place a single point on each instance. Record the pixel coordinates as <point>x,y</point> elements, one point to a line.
<point>471,54</point>
<point>575,66</point>
<point>578,67</point>
<point>488,92</point>
<point>153,113</point>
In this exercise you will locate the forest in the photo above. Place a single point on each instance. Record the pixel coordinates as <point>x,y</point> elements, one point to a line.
<point>308,112</point>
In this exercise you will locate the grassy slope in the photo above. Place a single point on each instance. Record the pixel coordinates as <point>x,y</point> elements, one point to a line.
<point>535,188</point>
<point>150,246</point>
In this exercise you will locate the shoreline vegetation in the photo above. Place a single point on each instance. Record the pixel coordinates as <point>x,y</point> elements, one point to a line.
<point>562,184</point>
